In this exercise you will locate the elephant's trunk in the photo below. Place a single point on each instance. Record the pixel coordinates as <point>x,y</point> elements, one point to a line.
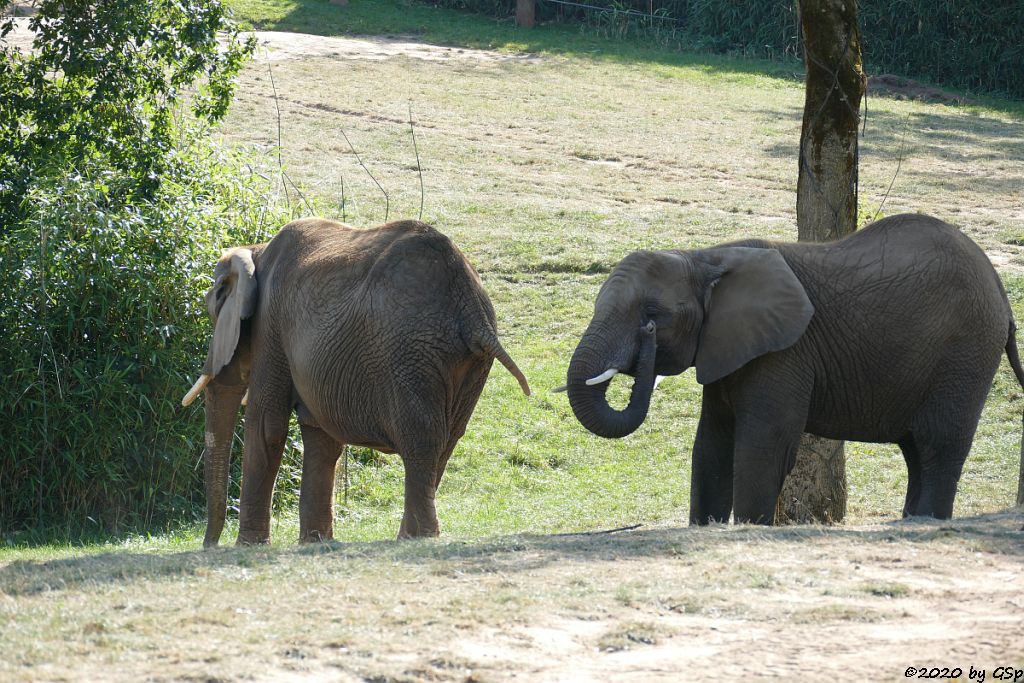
<point>592,358</point>
<point>221,416</point>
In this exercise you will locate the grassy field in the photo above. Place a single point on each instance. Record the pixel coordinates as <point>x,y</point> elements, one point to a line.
<point>547,156</point>
<point>546,170</point>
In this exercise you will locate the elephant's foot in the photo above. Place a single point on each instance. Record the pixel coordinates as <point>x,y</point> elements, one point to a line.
<point>412,529</point>
<point>245,539</point>
<point>315,536</point>
<point>404,536</point>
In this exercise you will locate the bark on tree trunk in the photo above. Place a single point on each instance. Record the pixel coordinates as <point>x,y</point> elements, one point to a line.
<point>525,13</point>
<point>826,209</point>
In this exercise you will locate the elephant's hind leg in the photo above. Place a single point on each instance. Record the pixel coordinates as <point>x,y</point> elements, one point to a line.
<point>913,459</point>
<point>941,434</point>
<point>316,497</point>
<point>421,455</point>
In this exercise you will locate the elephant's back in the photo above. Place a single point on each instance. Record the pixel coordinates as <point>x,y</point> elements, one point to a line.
<point>377,320</point>
<point>904,306</point>
<point>907,257</point>
<point>908,241</point>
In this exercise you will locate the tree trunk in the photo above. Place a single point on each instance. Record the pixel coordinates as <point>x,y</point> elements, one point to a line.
<point>826,209</point>
<point>525,13</point>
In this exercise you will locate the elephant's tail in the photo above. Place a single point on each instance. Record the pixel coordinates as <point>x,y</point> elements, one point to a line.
<point>1014,358</point>
<point>1012,355</point>
<point>489,344</point>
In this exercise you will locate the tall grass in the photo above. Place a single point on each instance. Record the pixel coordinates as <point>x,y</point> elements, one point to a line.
<point>103,327</point>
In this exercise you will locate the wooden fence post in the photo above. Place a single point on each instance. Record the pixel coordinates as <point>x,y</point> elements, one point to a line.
<point>525,13</point>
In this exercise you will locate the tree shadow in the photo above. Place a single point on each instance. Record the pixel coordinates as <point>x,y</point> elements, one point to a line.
<point>955,138</point>
<point>513,554</point>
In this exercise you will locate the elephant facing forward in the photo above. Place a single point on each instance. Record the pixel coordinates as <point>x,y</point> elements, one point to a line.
<point>380,338</point>
<point>890,335</point>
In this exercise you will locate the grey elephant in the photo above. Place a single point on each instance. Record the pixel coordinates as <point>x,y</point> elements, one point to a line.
<point>380,338</point>
<point>891,335</point>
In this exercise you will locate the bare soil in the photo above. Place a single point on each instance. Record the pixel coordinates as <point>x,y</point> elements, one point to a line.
<point>909,89</point>
<point>664,603</point>
<point>281,45</point>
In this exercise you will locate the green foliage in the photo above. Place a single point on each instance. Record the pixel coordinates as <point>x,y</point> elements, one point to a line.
<point>975,45</point>
<point>105,81</point>
<point>113,207</point>
<point>100,308</point>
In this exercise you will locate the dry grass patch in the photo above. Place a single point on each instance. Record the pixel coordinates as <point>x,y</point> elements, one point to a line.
<point>649,602</point>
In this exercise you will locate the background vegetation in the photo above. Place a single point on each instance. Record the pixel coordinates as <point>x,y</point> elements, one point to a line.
<point>113,204</point>
<point>976,44</point>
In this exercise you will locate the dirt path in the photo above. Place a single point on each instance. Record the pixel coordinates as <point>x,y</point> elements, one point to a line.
<point>281,45</point>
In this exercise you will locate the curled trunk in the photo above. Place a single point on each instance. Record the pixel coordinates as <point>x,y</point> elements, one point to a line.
<point>596,354</point>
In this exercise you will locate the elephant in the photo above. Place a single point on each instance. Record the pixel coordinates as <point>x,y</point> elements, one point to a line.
<point>890,335</point>
<point>381,337</point>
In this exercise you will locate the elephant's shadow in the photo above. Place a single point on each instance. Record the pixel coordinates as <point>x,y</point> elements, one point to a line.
<point>1000,532</point>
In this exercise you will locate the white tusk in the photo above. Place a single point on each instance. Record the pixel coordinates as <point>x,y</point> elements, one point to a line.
<point>657,381</point>
<point>245,399</point>
<point>559,390</point>
<point>603,377</point>
<point>196,388</point>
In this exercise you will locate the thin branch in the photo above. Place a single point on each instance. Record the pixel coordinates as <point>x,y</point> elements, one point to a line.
<point>602,532</point>
<point>387,199</point>
<point>342,199</point>
<point>419,168</point>
<point>285,178</point>
<point>345,472</point>
<point>297,190</point>
<point>280,162</point>
<point>899,162</point>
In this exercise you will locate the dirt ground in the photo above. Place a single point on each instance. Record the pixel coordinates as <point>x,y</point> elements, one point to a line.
<point>662,603</point>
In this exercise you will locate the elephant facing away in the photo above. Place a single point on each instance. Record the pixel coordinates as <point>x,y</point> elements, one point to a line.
<point>891,335</point>
<point>380,338</point>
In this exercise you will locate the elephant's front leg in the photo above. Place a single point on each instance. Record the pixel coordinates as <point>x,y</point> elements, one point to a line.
<point>266,430</point>
<point>711,473</point>
<point>420,516</point>
<point>320,452</point>
<point>765,452</point>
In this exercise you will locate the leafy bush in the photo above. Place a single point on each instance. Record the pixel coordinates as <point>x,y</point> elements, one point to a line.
<point>971,44</point>
<point>113,206</point>
<point>104,328</point>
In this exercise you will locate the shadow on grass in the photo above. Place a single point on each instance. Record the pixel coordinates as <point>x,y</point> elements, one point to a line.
<point>462,29</point>
<point>999,533</point>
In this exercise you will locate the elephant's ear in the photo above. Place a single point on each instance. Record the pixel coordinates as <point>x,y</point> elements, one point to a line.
<point>231,300</point>
<point>754,305</point>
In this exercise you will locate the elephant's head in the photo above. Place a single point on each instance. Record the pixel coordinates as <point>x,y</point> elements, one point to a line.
<point>661,312</point>
<point>231,301</point>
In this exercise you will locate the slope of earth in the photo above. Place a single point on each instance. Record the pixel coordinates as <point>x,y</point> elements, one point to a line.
<point>662,603</point>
